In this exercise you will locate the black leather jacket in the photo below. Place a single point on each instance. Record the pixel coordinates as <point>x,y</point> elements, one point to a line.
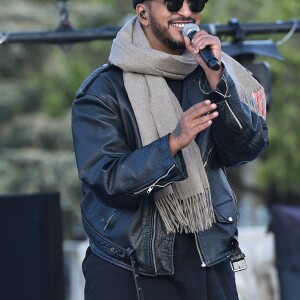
<point>119,176</point>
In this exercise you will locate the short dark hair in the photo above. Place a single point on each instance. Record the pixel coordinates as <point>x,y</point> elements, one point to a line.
<point>136,2</point>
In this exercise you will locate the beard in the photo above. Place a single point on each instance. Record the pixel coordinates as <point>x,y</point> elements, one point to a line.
<point>162,34</point>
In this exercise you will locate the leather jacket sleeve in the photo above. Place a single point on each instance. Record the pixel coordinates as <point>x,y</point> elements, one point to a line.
<point>110,159</point>
<point>239,134</point>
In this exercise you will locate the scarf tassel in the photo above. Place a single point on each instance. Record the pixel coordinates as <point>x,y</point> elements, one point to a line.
<point>186,215</point>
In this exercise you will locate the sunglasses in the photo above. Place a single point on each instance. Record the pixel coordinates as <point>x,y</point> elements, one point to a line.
<point>195,6</point>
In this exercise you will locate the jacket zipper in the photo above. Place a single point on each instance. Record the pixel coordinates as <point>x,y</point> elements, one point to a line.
<point>208,155</point>
<point>152,186</point>
<point>233,114</point>
<point>226,96</point>
<point>109,219</point>
<point>153,240</point>
<point>203,264</point>
<point>228,185</point>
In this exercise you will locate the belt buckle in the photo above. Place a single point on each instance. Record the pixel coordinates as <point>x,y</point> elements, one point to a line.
<point>239,265</point>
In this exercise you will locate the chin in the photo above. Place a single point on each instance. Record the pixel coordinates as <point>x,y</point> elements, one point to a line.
<point>176,41</point>
<point>176,45</point>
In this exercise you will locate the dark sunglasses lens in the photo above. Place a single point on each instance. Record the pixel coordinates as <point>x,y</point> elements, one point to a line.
<point>174,5</point>
<point>196,5</point>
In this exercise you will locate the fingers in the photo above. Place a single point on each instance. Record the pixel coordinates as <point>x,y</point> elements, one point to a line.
<point>202,122</point>
<point>200,109</point>
<point>196,124</point>
<point>199,117</point>
<point>201,40</point>
<point>194,120</point>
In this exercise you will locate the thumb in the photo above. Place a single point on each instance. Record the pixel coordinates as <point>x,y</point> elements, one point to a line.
<point>188,44</point>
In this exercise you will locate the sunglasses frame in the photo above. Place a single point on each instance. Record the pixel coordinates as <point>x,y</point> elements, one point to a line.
<point>178,5</point>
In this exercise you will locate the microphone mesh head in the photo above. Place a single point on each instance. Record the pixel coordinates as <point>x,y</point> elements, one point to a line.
<point>188,28</point>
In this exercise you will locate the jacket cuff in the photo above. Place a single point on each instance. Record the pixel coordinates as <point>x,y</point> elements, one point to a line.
<point>178,160</point>
<point>222,88</point>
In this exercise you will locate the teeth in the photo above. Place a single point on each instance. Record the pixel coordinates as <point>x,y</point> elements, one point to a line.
<point>178,25</point>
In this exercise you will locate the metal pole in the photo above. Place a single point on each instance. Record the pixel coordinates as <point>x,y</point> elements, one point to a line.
<point>234,29</point>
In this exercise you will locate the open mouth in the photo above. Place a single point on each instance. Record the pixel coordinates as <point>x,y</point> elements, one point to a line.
<point>180,24</point>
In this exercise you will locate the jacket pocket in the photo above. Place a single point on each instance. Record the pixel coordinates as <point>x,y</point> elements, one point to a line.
<point>104,243</point>
<point>102,216</point>
<point>227,212</point>
<point>216,241</point>
<point>225,228</point>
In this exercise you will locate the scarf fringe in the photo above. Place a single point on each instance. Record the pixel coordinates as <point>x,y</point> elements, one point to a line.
<point>189,215</point>
<point>185,206</point>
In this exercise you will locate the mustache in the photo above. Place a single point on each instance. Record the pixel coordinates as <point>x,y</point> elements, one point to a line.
<point>181,19</point>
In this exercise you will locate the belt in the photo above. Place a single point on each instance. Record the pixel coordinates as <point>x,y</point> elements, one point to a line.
<point>237,257</point>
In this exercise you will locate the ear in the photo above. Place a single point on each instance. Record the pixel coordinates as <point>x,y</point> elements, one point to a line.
<point>142,14</point>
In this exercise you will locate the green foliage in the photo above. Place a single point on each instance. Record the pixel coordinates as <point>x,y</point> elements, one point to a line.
<point>56,72</point>
<point>282,164</point>
<point>50,76</point>
<point>279,167</point>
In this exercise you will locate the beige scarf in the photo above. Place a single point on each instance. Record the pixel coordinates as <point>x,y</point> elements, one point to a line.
<point>185,205</point>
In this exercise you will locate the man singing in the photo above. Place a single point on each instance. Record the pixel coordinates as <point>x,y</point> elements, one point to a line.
<point>154,130</point>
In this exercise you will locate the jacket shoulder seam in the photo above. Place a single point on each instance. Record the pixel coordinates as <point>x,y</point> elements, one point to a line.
<point>100,99</point>
<point>90,79</point>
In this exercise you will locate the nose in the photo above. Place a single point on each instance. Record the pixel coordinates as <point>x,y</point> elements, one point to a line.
<point>185,10</point>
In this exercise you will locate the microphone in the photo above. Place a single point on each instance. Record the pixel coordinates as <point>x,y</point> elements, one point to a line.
<point>206,54</point>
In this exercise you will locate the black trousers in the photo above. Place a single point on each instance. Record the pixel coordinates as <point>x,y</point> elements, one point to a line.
<point>105,281</point>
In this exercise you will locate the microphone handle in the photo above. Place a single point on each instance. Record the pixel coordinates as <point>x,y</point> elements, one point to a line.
<point>207,55</point>
<point>210,60</point>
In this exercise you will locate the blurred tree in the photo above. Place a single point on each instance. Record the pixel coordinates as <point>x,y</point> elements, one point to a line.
<point>37,87</point>
<point>38,83</point>
<point>279,170</point>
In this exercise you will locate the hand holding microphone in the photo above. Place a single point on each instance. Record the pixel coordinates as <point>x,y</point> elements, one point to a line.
<point>206,54</point>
